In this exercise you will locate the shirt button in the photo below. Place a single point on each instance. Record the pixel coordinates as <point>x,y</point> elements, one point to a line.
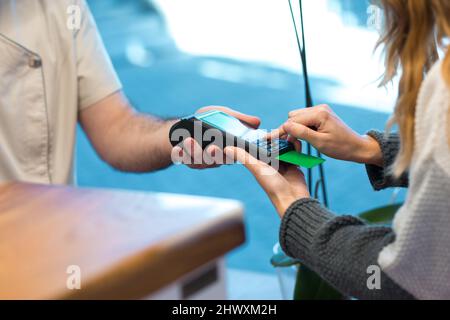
<point>34,62</point>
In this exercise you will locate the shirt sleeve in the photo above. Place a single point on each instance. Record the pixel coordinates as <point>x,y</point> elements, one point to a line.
<point>96,76</point>
<point>340,249</point>
<point>380,177</point>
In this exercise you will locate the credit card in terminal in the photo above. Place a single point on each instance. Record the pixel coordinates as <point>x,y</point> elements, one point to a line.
<point>221,129</point>
<point>300,159</point>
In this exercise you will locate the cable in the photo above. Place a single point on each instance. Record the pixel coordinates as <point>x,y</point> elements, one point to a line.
<point>301,42</point>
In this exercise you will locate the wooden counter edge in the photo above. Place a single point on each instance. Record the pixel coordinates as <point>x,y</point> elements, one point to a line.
<point>155,268</point>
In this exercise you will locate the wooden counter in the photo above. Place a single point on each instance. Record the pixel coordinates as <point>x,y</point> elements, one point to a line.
<point>127,245</point>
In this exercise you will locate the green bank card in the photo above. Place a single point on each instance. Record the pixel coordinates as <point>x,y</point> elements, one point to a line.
<point>300,159</point>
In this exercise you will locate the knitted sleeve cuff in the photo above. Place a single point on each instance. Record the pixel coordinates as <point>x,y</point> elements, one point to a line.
<point>379,177</point>
<point>299,226</point>
<point>338,249</point>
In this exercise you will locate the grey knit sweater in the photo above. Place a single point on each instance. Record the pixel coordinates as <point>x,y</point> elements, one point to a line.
<point>341,248</point>
<point>414,255</point>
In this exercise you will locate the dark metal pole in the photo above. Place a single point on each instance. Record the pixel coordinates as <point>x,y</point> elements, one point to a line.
<point>309,103</point>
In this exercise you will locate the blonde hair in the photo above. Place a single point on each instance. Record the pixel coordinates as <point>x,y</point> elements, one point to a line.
<point>413,30</point>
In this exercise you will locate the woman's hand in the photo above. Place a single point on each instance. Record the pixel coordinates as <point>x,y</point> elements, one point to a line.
<point>321,127</point>
<point>283,187</point>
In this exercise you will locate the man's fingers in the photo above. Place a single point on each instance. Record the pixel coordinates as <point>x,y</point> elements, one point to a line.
<point>249,120</point>
<point>187,147</point>
<point>187,159</point>
<point>215,155</point>
<point>190,153</point>
<point>194,150</point>
<point>208,157</point>
<point>177,155</point>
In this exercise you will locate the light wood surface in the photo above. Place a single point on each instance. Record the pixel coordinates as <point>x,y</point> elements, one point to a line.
<point>127,244</point>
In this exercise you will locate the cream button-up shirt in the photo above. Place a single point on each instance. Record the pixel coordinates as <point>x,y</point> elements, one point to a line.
<point>52,65</point>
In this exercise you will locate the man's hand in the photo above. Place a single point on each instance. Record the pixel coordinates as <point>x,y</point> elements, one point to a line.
<point>134,142</point>
<point>212,157</point>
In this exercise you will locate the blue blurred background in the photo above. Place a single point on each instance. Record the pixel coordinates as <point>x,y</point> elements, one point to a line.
<point>174,56</point>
